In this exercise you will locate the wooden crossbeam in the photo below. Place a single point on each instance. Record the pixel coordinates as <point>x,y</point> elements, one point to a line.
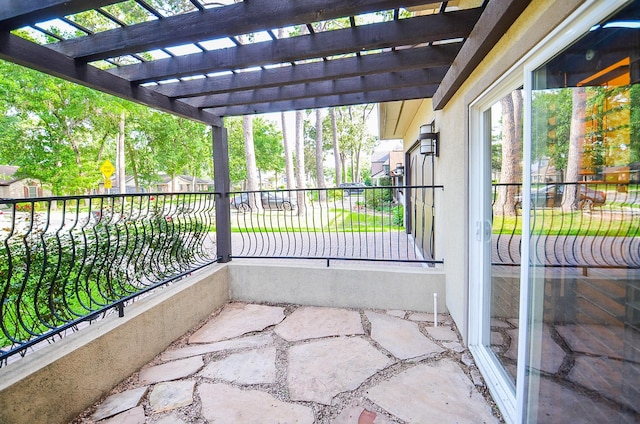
<point>496,19</point>
<point>234,19</point>
<point>414,58</point>
<point>421,29</point>
<point>314,90</point>
<point>416,92</point>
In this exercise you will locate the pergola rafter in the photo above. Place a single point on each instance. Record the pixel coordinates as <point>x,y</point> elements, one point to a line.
<point>234,19</point>
<point>417,58</point>
<point>406,32</point>
<point>378,51</point>
<point>401,79</point>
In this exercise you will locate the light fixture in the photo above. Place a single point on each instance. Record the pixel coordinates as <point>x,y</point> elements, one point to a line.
<point>399,171</point>
<point>429,140</point>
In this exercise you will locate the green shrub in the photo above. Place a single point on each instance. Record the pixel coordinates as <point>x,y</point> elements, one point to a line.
<point>398,215</point>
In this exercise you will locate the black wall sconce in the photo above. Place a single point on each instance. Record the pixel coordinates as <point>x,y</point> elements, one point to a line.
<point>429,143</point>
<point>399,171</point>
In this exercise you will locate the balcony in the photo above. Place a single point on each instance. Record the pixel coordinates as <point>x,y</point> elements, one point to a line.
<point>100,291</point>
<point>114,280</point>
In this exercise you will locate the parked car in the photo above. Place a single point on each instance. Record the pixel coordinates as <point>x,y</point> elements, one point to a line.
<point>352,188</point>
<point>269,199</point>
<point>550,196</point>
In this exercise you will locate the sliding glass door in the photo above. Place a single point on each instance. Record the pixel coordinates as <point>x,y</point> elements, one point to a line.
<point>584,334</point>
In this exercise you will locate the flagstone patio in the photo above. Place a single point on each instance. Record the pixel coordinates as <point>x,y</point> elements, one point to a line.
<point>254,363</point>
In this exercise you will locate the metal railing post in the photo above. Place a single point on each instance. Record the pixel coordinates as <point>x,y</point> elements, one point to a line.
<point>222,184</point>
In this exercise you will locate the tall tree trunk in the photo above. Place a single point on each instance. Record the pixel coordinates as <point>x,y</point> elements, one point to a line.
<point>505,203</point>
<point>353,172</point>
<point>288,154</point>
<point>300,179</point>
<point>250,156</point>
<point>336,147</point>
<point>319,156</point>
<point>120,171</point>
<point>576,136</point>
<point>288,147</point>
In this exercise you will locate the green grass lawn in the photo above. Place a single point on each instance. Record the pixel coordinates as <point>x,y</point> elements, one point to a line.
<point>554,222</point>
<point>333,219</point>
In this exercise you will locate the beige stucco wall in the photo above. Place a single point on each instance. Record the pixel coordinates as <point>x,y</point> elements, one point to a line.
<point>451,168</point>
<point>344,287</point>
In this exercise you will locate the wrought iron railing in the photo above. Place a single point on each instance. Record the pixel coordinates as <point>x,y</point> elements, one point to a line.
<point>65,261</point>
<point>354,223</point>
<point>600,228</point>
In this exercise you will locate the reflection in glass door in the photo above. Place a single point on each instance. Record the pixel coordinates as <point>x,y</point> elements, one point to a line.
<point>584,363</point>
<point>506,226</point>
<point>496,219</point>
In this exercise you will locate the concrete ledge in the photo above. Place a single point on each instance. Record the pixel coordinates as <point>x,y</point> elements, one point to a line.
<point>374,288</point>
<point>60,381</point>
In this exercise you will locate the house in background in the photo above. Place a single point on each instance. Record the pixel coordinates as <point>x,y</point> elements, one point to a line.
<point>166,184</point>
<point>389,164</point>
<point>379,162</point>
<point>12,187</point>
<point>182,184</point>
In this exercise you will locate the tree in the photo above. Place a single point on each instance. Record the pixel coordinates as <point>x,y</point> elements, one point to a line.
<point>551,127</point>
<point>300,172</point>
<point>576,137</point>
<point>288,154</point>
<point>268,146</point>
<point>250,157</point>
<point>511,170</point>
<point>52,120</point>
<point>320,156</point>
<point>353,137</point>
<point>336,147</point>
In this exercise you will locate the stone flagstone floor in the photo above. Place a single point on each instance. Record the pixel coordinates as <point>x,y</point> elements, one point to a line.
<point>253,363</point>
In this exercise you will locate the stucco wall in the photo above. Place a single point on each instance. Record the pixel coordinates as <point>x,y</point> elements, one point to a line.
<point>350,287</point>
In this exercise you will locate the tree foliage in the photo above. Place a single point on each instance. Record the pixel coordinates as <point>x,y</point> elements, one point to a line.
<point>59,133</point>
<point>268,147</point>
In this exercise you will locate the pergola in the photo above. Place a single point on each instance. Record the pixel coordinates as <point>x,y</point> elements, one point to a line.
<point>228,58</point>
<point>213,59</point>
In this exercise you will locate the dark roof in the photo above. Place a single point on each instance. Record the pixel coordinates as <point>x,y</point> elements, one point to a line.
<point>239,62</point>
<point>7,173</point>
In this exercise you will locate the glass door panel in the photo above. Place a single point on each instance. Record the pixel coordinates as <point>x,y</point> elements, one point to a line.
<point>584,362</point>
<point>505,118</point>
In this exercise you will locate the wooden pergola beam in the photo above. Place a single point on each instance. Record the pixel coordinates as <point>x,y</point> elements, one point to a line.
<point>26,53</point>
<point>351,85</point>
<point>414,58</point>
<point>405,32</point>
<point>18,13</point>
<point>496,19</point>
<point>234,19</point>
<point>416,92</point>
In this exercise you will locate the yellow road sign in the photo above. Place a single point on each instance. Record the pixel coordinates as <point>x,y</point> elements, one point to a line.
<point>107,169</point>
<point>107,183</point>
